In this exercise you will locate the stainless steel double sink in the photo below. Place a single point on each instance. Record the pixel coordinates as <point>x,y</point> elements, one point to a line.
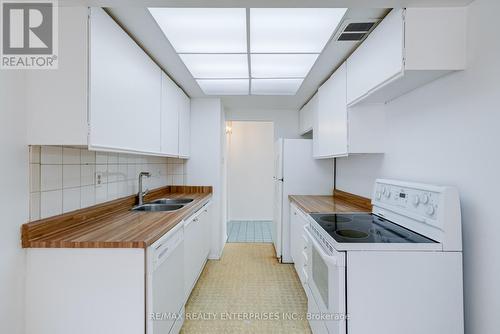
<point>163,204</point>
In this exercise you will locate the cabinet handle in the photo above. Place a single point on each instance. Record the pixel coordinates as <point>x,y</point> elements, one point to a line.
<point>162,253</point>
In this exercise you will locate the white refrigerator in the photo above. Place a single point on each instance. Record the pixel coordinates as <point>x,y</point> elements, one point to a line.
<point>295,173</point>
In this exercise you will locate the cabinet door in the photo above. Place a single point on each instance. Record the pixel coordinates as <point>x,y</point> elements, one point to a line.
<point>56,101</point>
<point>378,59</point>
<point>331,128</point>
<point>125,90</point>
<point>169,117</point>
<point>294,233</point>
<point>184,124</point>
<point>306,117</point>
<point>191,243</point>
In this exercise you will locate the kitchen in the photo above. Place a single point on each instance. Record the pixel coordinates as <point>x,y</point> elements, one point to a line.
<point>401,109</point>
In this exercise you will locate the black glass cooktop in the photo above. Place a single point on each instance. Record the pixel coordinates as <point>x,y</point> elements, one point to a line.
<point>366,228</point>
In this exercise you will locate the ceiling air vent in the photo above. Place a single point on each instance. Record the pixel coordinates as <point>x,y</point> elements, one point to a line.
<point>355,31</point>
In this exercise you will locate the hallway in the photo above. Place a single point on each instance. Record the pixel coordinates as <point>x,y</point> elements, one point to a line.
<point>247,283</point>
<point>249,231</point>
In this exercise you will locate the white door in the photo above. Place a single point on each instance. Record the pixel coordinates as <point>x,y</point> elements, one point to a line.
<point>278,195</point>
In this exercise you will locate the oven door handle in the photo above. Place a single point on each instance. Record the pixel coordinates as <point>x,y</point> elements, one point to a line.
<point>329,259</point>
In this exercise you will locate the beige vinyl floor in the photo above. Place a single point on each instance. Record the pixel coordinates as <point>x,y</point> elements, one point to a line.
<point>247,291</point>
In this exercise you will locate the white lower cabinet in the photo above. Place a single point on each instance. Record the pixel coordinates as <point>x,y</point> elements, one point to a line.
<point>298,242</point>
<point>195,247</point>
<point>117,290</point>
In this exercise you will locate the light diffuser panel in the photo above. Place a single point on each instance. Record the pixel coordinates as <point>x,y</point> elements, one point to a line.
<point>203,30</point>
<point>292,30</point>
<point>224,87</point>
<point>216,66</point>
<point>282,65</point>
<point>275,86</point>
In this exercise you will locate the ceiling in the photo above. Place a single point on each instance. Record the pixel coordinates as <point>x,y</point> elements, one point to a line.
<point>250,51</point>
<point>135,18</point>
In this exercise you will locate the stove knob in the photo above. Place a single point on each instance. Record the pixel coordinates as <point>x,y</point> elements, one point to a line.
<point>388,194</point>
<point>378,195</point>
<point>430,210</point>
<point>416,200</point>
<point>425,198</point>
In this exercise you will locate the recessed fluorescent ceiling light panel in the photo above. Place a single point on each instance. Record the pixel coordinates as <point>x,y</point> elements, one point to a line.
<point>216,66</point>
<point>224,87</point>
<point>283,45</point>
<point>282,65</point>
<point>275,86</point>
<point>203,30</point>
<point>292,30</point>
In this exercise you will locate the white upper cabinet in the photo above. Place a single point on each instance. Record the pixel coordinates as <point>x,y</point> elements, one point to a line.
<point>125,90</point>
<point>175,119</point>
<point>107,93</point>
<point>306,117</point>
<point>56,100</point>
<point>184,125</point>
<point>330,122</point>
<point>169,117</point>
<point>339,131</point>
<point>408,49</point>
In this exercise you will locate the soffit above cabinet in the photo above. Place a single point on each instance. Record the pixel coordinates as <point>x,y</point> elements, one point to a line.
<point>141,26</point>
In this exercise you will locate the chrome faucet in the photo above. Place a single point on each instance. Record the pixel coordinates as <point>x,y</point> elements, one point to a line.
<point>142,193</point>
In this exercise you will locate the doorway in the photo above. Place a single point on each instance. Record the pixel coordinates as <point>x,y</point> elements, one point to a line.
<point>250,172</point>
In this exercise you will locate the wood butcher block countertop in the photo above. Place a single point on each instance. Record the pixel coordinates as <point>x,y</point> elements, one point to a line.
<point>340,201</point>
<point>112,224</point>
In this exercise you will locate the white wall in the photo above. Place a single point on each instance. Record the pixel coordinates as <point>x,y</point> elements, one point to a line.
<point>250,171</point>
<point>205,166</point>
<point>448,132</point>
<point>286,121</point>
<point>14,199</point>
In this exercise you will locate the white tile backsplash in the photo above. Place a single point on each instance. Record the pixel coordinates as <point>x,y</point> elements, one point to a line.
<point>50,203</point>
<point>34,177</point>
<point>34,206</point>
<point>51,177</point>
<point>87,157</point>
<point>71,176</point>
<point>63,179</point>
<point>71,156</point>
<point>51,155</point>
<point>71,199</point>
<point>87,196</point>
<point>87,176</point>
<point>101,158</point>
<point>35,154</point>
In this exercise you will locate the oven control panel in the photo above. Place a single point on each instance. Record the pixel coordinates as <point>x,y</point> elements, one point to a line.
<point>422,202</point>
<point>431,210</point>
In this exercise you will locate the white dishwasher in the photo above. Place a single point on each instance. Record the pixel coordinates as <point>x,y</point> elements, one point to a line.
<point>165,283</point>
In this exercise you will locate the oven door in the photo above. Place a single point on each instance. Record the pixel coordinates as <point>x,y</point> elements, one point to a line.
<point>326,281</point>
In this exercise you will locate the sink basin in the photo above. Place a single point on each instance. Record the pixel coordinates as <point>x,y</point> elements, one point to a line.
<point>172,201</point>
<point>156,207</point>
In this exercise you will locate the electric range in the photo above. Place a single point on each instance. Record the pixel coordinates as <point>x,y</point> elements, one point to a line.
<point>381,271</point>
<point>350,231</point>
